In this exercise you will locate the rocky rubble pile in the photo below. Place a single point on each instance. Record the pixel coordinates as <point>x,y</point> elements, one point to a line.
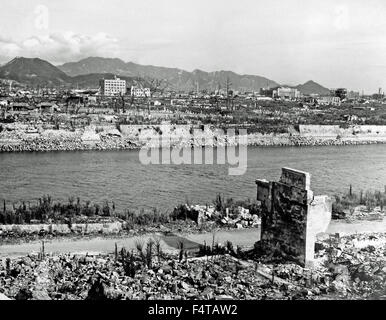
<point>242,218</point>
<point>352,267</point>
<point>364,213</point>
<point>92,277</point>
<point>239,217</point>
<point>285,140</point>
<point>114,143</point>
<point>356,265</point>
<point>40,144</point>
<point>43,144</point>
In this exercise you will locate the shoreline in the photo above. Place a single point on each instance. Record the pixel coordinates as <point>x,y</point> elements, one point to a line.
<point>123,145</point>
<point>193,237</point>
<point>15,138</point>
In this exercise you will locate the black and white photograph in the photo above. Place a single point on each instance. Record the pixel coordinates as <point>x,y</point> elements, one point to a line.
<point>208,152</point>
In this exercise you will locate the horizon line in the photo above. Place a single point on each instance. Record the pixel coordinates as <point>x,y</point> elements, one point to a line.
<point>176,68</point>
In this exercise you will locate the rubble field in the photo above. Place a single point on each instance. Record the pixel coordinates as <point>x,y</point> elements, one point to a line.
<point>188,219</point>
<point>351,267</point>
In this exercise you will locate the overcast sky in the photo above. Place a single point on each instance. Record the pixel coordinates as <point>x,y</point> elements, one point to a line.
<point>334,42</point>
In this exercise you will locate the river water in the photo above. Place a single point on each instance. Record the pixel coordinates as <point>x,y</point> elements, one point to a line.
<point>120,176</point>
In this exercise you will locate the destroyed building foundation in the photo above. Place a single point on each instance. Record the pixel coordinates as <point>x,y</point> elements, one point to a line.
<point>292,216</point>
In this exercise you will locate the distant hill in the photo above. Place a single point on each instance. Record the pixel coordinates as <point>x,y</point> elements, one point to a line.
<point>37,72</point>
<point>87,73</point>
<point>34,72</point>
<point>176,79</point>
<point>94,65</point>
<point>311,87</point>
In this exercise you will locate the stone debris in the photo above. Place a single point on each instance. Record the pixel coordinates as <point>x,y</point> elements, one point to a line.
<point>63,140</point>
<point>356,264</point>
<point>79,277</point>
<point>239,218</point>
<point>364,213</point>
<point>352,267</point>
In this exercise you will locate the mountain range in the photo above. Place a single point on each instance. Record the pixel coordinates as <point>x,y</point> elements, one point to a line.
<point>176,79</point>
<point>37,72</point>
<point>87,73</point>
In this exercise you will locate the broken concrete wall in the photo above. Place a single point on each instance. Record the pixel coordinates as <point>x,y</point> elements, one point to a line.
<point>292,216</point>
<point>318,219</point>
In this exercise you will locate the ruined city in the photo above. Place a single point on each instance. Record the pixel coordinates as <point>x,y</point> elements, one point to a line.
<point>124,176</point>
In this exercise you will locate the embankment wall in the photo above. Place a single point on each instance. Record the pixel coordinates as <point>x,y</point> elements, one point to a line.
<point>84,228</point>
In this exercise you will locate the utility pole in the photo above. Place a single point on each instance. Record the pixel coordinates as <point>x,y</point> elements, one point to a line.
<point>123,101</point>
<point>228,84</point>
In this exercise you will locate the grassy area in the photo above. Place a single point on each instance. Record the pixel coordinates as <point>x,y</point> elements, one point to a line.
<point>45,210</point>
<point>350,200</point>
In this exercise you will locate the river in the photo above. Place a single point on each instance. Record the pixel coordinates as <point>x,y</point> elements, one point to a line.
<point>119,175</point>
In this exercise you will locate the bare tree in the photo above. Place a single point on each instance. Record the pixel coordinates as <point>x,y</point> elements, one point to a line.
<point>155,85</point>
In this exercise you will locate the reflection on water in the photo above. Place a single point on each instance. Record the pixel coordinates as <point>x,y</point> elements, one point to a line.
<point>119,175</point>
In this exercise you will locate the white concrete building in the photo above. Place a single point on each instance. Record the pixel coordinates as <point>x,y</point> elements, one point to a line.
<point>112,87</point>
<point>287,93</point>
<point>140,92</point>
<point>335,101</point>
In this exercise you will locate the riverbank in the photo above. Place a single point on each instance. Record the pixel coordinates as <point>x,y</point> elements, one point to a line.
<point>51,219</point>
<point>44,145</point>
<point>192,239</point>
<point>49,145</point>
<point>16,139</point>
<point>24,234</point>
<point>47,219</point>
